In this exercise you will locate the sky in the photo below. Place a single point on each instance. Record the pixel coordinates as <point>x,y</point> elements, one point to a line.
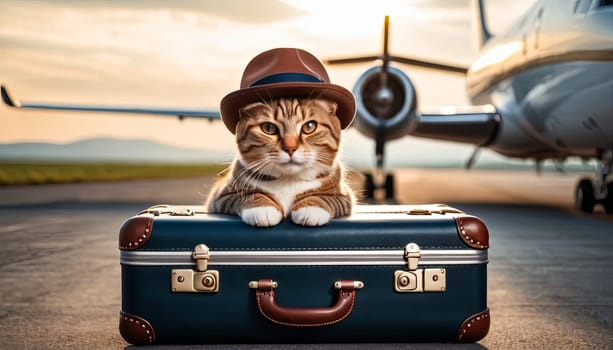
<point>190,54</point>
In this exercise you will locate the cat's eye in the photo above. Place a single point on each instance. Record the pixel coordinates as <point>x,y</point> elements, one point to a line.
<point>269,128</point>
<point>309,127</point>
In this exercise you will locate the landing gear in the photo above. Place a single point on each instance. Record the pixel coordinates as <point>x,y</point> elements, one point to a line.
<point>589,193</point>
<point>389,187</point>
<point>584,196</point>
<point>607,202</point>
<point>379,180</point>
<point>369,186</point>
<point>373,183</point>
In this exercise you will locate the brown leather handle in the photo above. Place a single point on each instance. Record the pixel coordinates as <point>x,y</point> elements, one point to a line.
<point>305,317</point>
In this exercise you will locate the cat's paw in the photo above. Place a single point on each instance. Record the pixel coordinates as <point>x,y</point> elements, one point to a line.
<point>310,216</point>
<point>261,216</point>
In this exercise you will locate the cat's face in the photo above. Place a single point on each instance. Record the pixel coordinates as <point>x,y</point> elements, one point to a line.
<point>289,136</point>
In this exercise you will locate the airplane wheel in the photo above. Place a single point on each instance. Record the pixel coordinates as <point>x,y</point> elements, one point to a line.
<point>369,186</point>
<point>608,200</point>
<point>389,186</point>
<point>584,196</point>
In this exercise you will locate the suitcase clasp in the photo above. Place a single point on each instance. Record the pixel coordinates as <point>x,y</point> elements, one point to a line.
<point>164,209</point>
<point>201,254</point>
<point>412,254</point>
<point>201,280</point>
<point>418,280</point>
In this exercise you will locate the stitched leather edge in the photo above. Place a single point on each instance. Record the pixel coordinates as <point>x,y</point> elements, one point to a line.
<point>135,232</point>
<point>135,330</point>
<point>473,231</point>
<point>475,327</point>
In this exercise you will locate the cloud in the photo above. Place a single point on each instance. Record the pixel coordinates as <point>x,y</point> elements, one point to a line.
<point>243,11</point>
<point>441,3</point>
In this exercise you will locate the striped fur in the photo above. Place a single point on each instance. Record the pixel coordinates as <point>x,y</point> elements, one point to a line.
<point>286,165</point>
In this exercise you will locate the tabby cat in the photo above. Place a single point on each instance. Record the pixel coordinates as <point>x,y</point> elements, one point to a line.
<point>286,164</point>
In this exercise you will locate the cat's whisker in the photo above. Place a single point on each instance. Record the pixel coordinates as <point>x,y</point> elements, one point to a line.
<point>225,170</point>
<point>243,179</point>
<point>258,170</point>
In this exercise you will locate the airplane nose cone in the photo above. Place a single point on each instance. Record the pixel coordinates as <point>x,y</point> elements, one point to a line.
<point>384,97</point>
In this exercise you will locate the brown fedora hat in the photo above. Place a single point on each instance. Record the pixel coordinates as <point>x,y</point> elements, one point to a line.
<point>285,72</point>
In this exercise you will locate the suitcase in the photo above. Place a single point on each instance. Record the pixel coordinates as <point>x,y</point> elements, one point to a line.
<point>387,273</point>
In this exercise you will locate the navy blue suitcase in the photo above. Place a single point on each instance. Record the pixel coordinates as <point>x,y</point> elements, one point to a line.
<point>385,274</point>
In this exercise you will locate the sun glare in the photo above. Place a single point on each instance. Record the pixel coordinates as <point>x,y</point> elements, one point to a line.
<point>347,18</point>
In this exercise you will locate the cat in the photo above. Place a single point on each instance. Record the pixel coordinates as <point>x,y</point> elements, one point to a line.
<point>286,165</point>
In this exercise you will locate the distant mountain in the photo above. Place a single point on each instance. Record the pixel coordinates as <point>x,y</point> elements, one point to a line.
<point>356,154</point>
<point>112,150</point>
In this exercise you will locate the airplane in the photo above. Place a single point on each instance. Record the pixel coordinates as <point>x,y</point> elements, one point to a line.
<point>542,90</point>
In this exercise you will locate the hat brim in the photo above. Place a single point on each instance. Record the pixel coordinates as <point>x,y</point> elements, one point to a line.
<point>232,102</point>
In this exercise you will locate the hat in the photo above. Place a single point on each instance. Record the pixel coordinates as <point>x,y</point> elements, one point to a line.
<point>285,72</point>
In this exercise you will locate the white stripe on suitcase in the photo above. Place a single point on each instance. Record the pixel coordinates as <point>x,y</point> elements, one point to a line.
<point>306,257</point>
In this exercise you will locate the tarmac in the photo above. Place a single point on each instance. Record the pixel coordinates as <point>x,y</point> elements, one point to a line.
<point>549,284</point>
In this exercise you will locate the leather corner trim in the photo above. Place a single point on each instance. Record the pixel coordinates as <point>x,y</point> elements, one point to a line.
<point>475,327</point>
<point>473,231</point>
<point>135,330</point>
<point>135,232</point>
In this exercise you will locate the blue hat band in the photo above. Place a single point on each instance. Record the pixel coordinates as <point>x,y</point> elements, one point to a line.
<point>287,78</point>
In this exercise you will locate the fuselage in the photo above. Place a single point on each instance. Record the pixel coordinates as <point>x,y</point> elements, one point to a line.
<point>551,78</point>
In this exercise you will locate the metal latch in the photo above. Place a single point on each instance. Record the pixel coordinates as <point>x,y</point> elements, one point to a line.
<point>418,280</point>
<point>199,280</point>
<point>164,209</point>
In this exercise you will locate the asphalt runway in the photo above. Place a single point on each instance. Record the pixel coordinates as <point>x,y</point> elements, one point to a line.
<point>549,277</point>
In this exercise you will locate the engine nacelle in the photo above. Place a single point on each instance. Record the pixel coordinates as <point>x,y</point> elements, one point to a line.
<point>386,101</point>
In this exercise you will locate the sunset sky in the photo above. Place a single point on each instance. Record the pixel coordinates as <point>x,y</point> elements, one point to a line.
<point>192,53</point>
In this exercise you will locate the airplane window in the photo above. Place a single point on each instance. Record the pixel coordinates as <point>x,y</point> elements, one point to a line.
<point>581,6</point>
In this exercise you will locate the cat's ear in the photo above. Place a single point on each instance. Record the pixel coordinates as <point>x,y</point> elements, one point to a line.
<point>252,109</point>
<point>328,106</point>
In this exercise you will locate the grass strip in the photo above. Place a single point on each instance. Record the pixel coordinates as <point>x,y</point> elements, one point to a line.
<point>18,173</point>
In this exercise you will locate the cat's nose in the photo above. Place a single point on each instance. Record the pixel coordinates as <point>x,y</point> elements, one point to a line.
<point>290,144</point>
<point>289,150</point>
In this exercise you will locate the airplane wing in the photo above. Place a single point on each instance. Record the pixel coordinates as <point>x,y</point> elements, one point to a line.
<point>477,125</point>
<point>180,113</point>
